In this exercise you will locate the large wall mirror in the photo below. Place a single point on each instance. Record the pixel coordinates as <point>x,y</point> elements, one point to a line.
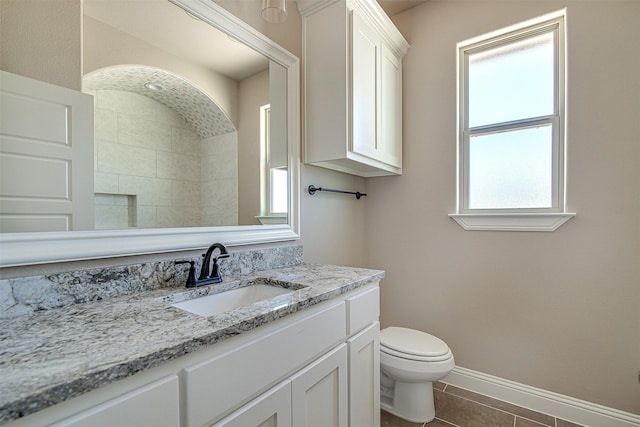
<point>195,139</point>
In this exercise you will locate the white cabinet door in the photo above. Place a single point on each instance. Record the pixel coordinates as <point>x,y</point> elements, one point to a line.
<point>365,60</point>
<point>153,405</point>
<point>271,409</point>
<point>319,392</point>
<point>377,95</point>
<point>364,377</point>
<point>390,138</point>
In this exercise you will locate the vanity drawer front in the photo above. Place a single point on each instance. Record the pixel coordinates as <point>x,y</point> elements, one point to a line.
<point>215,387</point>
<point>362,309</point>
<point>155,404</point>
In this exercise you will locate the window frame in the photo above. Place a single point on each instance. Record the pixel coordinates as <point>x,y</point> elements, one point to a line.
<point>514,219</point>
<point>267,213</point>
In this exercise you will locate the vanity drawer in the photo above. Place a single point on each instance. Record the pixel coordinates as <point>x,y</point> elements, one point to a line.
<point>155,404</point>
<point>216,386</point>
<point>362,309</point>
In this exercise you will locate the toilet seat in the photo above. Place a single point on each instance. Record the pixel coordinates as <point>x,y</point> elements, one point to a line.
<point>413,345</point>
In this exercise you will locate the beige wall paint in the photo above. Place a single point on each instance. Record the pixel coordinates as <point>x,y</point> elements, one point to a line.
<point>333,225</point>
<point>253,92</point>
<point>33,44</point>
<point>559,311</point>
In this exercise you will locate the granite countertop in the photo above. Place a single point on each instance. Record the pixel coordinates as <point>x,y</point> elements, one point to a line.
<point>58,354</point>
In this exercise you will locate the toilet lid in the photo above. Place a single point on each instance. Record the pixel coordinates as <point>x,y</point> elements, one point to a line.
<point>412,342</point>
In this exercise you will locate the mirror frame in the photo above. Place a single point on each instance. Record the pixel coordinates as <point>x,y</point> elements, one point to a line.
<point>18,249</point>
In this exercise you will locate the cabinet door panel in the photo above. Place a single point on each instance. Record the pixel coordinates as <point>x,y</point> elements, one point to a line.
<point>272,409</point>
<point>319,392</point>
<point>365,54</point>
<point>390,139</point>
<point>364,377</point>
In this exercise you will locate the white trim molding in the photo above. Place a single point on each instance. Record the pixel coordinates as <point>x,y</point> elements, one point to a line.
<point>512,221</point>
<point>42,248</point>
<point>547,402</point>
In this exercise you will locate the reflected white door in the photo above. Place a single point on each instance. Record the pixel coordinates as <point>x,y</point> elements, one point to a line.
<point>46,156</point>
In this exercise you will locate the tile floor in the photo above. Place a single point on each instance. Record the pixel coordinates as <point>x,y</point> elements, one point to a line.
<point>456,407</point>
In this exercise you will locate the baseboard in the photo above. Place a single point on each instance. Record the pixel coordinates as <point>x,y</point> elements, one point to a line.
<point>547,402</point>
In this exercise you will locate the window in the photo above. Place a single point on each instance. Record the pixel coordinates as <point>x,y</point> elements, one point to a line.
<point>274,176</point>
<point>511,156</point>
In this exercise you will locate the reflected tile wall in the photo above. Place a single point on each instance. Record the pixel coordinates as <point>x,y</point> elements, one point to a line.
<point>219,187</point>
<point>145,150</point>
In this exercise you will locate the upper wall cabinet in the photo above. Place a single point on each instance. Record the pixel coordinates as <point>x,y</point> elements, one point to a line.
<point>353,87</point>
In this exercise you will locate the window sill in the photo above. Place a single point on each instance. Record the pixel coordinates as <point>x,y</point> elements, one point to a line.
<point>272,219</point>
<point>512,221</point>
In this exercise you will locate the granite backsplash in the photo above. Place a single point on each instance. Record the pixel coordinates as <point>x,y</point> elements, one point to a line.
<point>25,295</point>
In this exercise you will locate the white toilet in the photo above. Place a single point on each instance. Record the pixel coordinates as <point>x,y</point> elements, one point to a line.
<point>410,361</point>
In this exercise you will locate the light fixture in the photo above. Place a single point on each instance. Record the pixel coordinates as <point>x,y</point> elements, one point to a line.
<point>156,87</point>
<point>274,11</point>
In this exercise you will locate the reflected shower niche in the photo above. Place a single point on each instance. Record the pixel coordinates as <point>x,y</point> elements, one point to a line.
<point>115,211</point>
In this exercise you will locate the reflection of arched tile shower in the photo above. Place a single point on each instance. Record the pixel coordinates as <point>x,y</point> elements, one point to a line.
<point>197,109</point>
<point>169,162</point>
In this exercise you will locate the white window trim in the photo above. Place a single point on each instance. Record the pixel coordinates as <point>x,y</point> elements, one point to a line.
<point>267,216</point>
<point>515,219</point>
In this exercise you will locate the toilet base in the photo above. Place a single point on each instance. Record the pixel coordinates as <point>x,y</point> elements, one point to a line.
<point>410,401</point>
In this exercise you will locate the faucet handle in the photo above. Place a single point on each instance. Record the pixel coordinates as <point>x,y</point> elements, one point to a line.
<point>191,279</point>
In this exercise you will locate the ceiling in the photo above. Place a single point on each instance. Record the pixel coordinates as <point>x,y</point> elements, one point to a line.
<point>171,29</point>
<point>394,7</point>
<point>165,26</point>
<point>204,116</point>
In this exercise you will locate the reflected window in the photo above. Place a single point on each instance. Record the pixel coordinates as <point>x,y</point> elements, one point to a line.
<point>278,191</point>
<point>274,181</point>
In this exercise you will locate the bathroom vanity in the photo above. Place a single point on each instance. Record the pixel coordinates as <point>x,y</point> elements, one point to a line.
<point>309,357</point>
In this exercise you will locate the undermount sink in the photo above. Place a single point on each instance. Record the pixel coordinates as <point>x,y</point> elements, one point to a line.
<point>232,299</point>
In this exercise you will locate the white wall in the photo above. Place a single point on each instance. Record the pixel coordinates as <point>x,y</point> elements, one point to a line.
<point>559,311</point>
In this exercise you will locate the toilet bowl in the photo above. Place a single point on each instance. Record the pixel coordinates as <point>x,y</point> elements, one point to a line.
<point>410,361</point>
